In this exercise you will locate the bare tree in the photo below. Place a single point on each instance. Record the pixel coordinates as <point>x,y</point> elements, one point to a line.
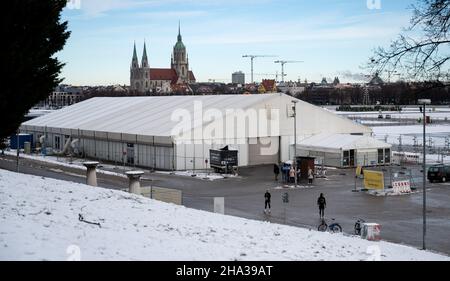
<point>422,50</point>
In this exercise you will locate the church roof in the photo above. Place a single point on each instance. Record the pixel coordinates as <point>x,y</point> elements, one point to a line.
<point>191,76</point>
<point>179,45</point>
<point>269,84</point>
<point>164,74</point>
<point>167,74</point>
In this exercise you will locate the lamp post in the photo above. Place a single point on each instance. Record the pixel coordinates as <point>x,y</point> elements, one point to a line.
<point>294,108</point>
<point>18,149</point>
<point>424,102</point>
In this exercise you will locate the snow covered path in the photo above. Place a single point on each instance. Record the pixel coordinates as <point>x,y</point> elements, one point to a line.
<point>39,220</point>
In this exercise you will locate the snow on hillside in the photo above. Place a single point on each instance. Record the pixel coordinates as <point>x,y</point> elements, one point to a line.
<point>39,220</point>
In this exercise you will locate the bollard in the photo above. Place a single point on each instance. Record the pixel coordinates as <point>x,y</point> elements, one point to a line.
<point>27,147</point>
<point>134,184</point>
<point>219,205</point>
<point>91,173</point>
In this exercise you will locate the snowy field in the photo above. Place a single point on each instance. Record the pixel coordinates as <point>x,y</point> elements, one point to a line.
<point>39,220</point>
<point>390,130</point>
<point>408,113</point>
<point>438,133</point>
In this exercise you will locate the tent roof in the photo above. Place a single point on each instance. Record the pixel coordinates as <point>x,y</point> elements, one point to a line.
<point>341,142</point>
<point>152,116</point>
<point>149,116</point>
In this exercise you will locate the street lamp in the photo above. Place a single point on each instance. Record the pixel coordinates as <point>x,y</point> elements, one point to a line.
<point>18,149</point>
<point>424,102</point>
<point>294,108</point>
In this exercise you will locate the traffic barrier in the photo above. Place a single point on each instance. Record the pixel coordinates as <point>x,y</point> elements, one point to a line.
<point>401,186</point>
<point>371,231</point>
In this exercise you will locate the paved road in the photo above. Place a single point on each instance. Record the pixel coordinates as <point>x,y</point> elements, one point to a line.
<point>400,216</point>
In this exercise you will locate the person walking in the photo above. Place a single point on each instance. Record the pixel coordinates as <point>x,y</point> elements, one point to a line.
<point>276,171</point>
<point>322,203</point>
<point>285,172</point>
<point>299,175</point>
<point>292,175</point>
<point>267,197</point>
<point>310,175</point>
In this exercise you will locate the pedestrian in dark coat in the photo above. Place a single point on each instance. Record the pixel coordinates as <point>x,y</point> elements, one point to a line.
<point>322,203</point>
<point>267,198</point>
<point>276,171</point>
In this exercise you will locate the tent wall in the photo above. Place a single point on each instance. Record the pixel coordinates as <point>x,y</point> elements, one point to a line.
<point>192,156</point>
<point>260,151</point>
<point>367,157</point>
<point>332,159</point>
<point>285,153</point>
<point>374,157</point>
<point>312,120</point>
<point>134,150</point>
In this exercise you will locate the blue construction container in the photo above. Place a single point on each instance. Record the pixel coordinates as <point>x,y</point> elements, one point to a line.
<point>22,139</point>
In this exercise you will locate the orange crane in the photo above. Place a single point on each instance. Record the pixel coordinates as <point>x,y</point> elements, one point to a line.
<point>253,57</point>
<point>283,62</point>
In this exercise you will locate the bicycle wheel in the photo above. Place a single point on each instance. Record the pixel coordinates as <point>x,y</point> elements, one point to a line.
<point>323,227</point>
<point>336,228</point>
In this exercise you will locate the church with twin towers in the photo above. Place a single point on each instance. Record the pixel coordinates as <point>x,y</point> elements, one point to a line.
<point>144,78</point>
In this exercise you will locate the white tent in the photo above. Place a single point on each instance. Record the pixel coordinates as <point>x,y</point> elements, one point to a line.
<point>142,130</point>
<point>345,150</point>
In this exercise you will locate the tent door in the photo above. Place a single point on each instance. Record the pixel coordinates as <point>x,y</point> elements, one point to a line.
<point>130,153</point>
<point>352,158</point>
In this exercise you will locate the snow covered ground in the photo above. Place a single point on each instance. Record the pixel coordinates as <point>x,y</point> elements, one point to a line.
<point>199,175</point>
<point>441,114</point>
<point>436,132</point>
<point>75,164</point>
<point>40,220</point>
<point>78,164</point>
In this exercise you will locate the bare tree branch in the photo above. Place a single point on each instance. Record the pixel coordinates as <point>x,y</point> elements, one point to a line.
<point>423,51</point>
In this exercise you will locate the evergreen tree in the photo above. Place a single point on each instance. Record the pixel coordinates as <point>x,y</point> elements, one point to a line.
<point>32,33</point>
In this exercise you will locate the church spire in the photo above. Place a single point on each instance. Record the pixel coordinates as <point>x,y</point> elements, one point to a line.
<point>179,32</point>
<point>144,57</point>
<point>134,61</point>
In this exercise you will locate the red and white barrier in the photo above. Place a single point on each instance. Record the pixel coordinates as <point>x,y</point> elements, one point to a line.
<point>371,231</point>
<point>401,186</point>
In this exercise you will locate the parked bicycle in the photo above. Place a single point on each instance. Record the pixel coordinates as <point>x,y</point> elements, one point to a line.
<point>358,226</point>
<point>334,227</point>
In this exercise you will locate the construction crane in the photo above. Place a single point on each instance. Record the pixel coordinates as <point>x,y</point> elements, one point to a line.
<point>283,62</point>
<point>253,57</point>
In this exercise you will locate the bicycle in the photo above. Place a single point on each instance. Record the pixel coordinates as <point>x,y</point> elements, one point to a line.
<point>358,226</point>
<point>333,228</point>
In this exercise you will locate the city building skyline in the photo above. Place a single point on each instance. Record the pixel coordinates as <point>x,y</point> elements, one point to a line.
<point>220,32</point>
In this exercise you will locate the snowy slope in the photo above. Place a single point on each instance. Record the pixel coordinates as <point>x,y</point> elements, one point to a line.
<point>39,220</point>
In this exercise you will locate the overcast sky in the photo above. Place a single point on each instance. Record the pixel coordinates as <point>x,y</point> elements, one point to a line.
<point>332,37</point>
